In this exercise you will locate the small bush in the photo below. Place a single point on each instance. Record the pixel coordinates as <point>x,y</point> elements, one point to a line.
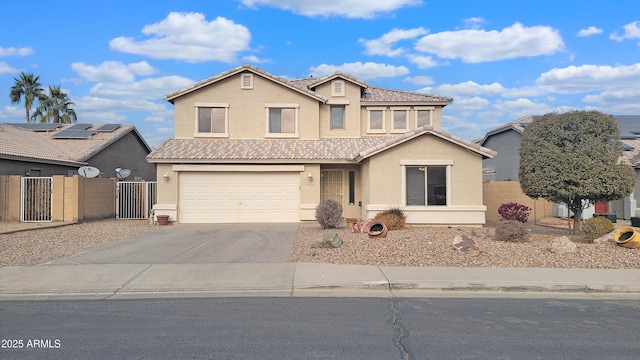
<point>394,218</point>
<point>514,211</point>
<point>512,230</point>
<point>329,214</point>
<point>596,227</point>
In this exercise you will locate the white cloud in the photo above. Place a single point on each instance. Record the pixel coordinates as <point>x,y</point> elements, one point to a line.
<point>420,80</point>
<point>363,71</point>
<point>7,69</point>
<point>422,62</point>
<point>346,8</point>
<point>469,88</point>
<point>254,59</point>
<point>189,37</point>
<point>475,46</point>
<point>384,44</point>
<point>113,71</point>
<point>474,22</point>
<point>610,97</point>
<point>150,88</point>
<point>577,79</point>
<point>474,103</point>
<point>591,30</point>
<point>630,31</point>
<point>12,51</point>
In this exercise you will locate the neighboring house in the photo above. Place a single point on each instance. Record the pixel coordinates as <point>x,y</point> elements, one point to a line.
<point>506,141</point>
<point>37,149</point>
<point>253,147</point>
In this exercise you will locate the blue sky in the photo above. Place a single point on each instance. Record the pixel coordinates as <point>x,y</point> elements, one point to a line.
<point>498,59</point>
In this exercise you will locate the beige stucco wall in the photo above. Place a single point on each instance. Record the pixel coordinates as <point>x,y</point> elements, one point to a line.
<point>10,198</point>
<point>167,195</point>
<point>384,174</point>
<point>247,112</point>
<point>352,110</point>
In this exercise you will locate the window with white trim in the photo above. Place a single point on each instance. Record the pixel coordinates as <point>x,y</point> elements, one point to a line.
<point>375,120</point>
<point>426,185</point>
<point>337,88</point>
<point>282,120</point>
<point>337,117</point>
<point>423,116</point>
<point>246,81</point>
<point>212,119</point>
<point>400,119</point>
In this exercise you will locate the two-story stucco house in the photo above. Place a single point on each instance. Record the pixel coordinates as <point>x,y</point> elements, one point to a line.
<point>253,147</point>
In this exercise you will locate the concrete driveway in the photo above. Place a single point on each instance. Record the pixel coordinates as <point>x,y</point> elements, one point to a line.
<point>197,244</point>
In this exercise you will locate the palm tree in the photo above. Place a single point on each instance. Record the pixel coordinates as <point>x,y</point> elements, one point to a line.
<point>55,107</point>
<point>26,86</point>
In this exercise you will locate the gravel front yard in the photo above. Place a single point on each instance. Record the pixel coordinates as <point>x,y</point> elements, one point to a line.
<point>416,246</point>
<point>432,246</point>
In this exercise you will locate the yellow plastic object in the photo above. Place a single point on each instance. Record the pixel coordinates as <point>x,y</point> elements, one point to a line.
<point>627,237</point>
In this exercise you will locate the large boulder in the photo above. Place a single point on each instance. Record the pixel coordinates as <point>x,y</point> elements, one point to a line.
<point>466,245</point>
<point>562,245</point>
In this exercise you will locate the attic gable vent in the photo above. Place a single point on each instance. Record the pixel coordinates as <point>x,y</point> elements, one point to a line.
<point>246,81</point>
<point>337,88</point>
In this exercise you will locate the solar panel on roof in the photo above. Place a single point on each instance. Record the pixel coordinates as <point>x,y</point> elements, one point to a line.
<point>80,127</point>
<point>73,134</point>
<point>108,127</point>
<point>37,126</point>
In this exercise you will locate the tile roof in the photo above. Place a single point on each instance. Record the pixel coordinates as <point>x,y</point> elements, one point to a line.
<point>283,150</point>
<point>25,144</point>
<point>371,94</point>
<point>20,144</point>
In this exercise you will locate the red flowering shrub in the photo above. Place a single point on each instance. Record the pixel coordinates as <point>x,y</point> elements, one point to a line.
<point>514,211</point>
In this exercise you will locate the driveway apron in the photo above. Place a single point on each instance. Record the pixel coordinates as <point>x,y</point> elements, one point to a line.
<point>197,244</point>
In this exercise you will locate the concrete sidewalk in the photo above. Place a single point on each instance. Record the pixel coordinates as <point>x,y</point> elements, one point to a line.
<point>111,281</point>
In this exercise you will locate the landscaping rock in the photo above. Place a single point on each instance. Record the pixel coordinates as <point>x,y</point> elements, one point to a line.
<point>480,232</point>
<point>362,226</point>
<point>331,239</point>
<point>466,245</point>
<point>562,245</point>
<point>606,239</point>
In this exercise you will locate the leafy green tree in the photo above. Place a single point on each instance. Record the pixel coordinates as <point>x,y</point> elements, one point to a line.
<point>26,86</point>
<point>55,107</point>
<point>574,158</point>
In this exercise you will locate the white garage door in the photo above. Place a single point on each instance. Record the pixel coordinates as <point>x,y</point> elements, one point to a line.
<point>232,197</point>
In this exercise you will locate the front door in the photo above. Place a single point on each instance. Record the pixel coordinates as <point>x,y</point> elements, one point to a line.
<point>602,208</point>
<point>331,185</point>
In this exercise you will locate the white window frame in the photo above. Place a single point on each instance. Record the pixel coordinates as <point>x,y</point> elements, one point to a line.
<point>344,111</point>
<point>384,124</point>
<point>246,85</point>
<point>425,163</point>
<point>424,108</point>
<point>295,107</point>
<point>338,92</point>
<point>406,118</point>
<point>225,134</point>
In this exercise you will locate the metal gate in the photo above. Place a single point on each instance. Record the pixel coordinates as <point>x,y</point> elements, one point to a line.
<point>36,199</point>
<point>135,199</point>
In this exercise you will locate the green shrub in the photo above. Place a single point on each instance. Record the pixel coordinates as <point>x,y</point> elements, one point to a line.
<point>512,230</point>
<point>596,227</point>
<point>329,214</point>
<point>394,218</point>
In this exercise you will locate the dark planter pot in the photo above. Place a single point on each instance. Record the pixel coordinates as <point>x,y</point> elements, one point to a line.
<point>635,221</point>
<point>612,217</point>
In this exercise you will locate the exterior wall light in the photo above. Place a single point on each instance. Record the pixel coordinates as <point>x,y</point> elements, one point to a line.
<point>310,177</point>
<point>166,176</point>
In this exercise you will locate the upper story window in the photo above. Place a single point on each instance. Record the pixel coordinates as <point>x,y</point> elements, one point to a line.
<point>212,120</point>
<point>337,117</point>
<point>246,81</point>
<point>423,116</point>
<point>400,119</point>
<point>282,120</point>
<point>375,120</point>
<point>337,88</point>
